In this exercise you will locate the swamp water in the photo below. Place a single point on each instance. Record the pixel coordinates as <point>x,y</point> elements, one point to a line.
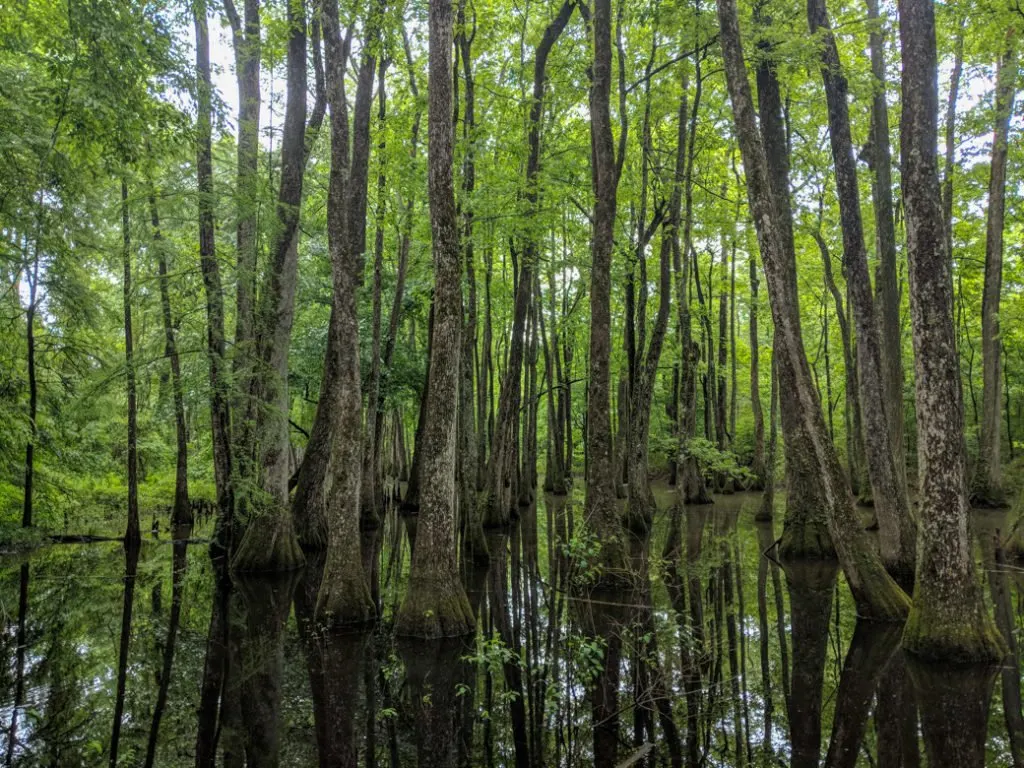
<point>716,657</point>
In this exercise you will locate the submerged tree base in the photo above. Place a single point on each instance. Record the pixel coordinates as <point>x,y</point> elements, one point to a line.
<point>434,608</point>
<point>344,600</point>
<point>946,634</point>
<point>268,545</point>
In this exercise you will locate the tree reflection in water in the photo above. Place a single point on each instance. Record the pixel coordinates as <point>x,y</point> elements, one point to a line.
<point>714,655</point>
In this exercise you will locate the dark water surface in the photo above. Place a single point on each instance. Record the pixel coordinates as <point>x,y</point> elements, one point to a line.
<point>716,657</point>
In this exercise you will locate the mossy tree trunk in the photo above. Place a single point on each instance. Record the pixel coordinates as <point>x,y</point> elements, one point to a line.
<point>948,620</point>
<point>344,594</point>
<point>435,603</point>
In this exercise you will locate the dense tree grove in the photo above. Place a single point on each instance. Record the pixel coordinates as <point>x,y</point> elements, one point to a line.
<point>361,282</point>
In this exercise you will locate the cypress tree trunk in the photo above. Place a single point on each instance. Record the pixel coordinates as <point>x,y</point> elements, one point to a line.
<point>220,417</point>
<point>181,512</point>
<point>404,248</point>
<point>987,487</point>
<point>469,512</point>
<point>948,620</point>
<point>805,530</point>
<point>949,163</point>
<point>269,542</point>
<point>133,534</point>
<point>435,603</point>
<point>33,386</point>
<point>876,594</point>
<point>690,481</point>
<point>370,489</point>
<point>887,288</point>
<point>897,530</point>
<point>344,593</point>
<point>600,496</point>
<point>245,33</point>
<point>758,466</point>
<point>498,496</point>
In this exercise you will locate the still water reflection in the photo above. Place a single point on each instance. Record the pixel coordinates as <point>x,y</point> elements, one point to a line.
<point>717,656</point>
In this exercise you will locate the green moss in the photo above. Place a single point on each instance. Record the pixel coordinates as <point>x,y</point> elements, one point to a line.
<point>941,635</point>
<point>344,600</point>
<point>434,608</point>
<point>878,596</point>
<point>268,545</point>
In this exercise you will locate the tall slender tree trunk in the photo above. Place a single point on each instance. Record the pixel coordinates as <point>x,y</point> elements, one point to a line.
<point>690,483</point>
<point>949,163</point>
<point>220,416</point>
<point>887,287</point>
<point>897,529</point>
<point>133,533</point>
<point>469,512</point>
<point>987,486</point>
<point>876,594</point>
<point>600,496</point>
<point>948,620</point>
<point>181,512</point>
<point>758,466</point>
<point>245,32</point>
<point>33,387</point>
<point>435,603</point>
<point>344,593</point>
<point>269,542</point>
<point>370,487</point>
<point>805,530</point>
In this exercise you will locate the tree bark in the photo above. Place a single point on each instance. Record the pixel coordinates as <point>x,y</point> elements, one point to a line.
<point>435,603</point>
<point>887,287</point>
<point>897,529</point>
<point>220,417</point>
<point>133,533</point>
<point>690,483</point>
<point>473,540</point>
<point>987,486</point>
<point>33,387</point>
<point>245,34</point>
<point>876,594</point>
<point>269,542</point>
<point>600,492</point>
<point>948,620</point>
<point>344,593</point>
<point>181,512</point>
<point>370,488</point>
<point>757,466</point>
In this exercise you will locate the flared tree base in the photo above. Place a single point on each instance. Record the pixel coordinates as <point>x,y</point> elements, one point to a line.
<point>878,597</point>
<point>970,636</point>
<point>435,608</point>
<point>310,527</point>
<point>269,545</point>
<point>344,601</point>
